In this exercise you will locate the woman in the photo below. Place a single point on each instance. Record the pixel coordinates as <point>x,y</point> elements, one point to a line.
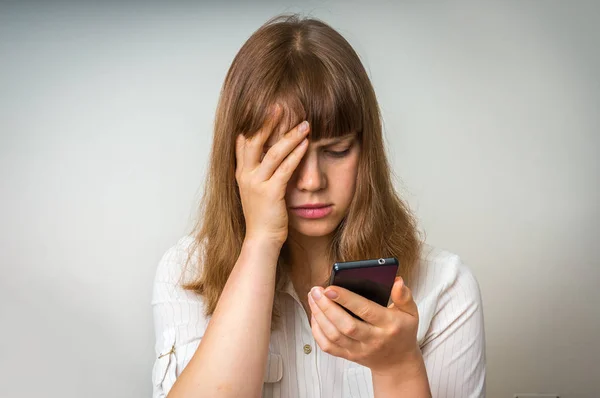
<point>298,180</point>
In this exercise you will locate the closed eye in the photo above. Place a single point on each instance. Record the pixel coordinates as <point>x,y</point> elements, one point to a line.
<point>338,154</point>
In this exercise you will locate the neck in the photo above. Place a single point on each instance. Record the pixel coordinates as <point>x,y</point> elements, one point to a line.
<point>310,262</point>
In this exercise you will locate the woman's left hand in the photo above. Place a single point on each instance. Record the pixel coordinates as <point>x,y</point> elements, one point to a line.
<point>385,341</point>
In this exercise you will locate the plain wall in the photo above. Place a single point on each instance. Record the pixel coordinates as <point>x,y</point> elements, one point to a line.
<point>491,112</point>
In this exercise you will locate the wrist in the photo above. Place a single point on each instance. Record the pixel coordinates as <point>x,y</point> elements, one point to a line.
<point>412,367</point>
<point>408,378</point>
<point>263,247</point>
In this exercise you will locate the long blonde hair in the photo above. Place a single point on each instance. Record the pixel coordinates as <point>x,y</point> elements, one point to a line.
<point>311,70</point>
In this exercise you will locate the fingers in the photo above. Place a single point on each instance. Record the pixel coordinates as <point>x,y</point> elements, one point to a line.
<point>330,331</point>
<point>254,146</point>
<point>369,311</point>
<point>337,324</point>
<point>402,298</point>
<point>283,157</point>
<point>327,345</point>
<point>290,164</point>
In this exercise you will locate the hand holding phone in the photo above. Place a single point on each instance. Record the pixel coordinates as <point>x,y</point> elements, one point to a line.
<point>382,337</point>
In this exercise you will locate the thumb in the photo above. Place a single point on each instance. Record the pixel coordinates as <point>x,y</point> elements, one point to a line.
<point>402,298</point>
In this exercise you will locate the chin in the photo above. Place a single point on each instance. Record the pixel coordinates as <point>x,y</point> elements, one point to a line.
<point>313,228</point>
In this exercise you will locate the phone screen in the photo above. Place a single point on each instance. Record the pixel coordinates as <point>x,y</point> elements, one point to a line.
<point>373,283</point>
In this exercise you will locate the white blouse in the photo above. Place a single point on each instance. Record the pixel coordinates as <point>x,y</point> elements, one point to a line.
<point>450,334</point>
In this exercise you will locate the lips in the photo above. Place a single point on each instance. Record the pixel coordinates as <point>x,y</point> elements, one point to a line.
<point>312,210</point>
<point>311,206</point>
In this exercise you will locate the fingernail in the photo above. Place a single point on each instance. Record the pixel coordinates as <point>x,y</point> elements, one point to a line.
<point>303,127</point>
<point>316,293</point>
<point>331,294</point>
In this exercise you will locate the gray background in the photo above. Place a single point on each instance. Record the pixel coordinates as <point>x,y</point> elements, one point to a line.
<point>491,115</point>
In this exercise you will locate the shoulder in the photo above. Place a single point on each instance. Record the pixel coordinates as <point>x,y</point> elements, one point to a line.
<point>178,266</point>
<point>438,270</point>
<point>180,263</point>
<point>443,286</point>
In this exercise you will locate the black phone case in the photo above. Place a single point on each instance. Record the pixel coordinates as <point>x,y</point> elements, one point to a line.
<point>364,283</point>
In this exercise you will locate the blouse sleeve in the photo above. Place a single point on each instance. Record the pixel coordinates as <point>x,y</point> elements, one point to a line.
<point>454,346</point>
<point>179,320</point>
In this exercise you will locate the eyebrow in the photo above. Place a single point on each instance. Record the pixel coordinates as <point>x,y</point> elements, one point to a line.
<point>337,140</point>
<point>328,141</point>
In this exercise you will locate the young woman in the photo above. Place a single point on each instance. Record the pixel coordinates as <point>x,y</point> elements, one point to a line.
<point>298,180</point>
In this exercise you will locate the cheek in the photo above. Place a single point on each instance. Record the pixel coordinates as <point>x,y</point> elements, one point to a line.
<point>344,180</point>
<point>289,192</point>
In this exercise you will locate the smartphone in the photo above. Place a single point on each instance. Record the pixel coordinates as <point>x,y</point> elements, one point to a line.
<point>372,279</point>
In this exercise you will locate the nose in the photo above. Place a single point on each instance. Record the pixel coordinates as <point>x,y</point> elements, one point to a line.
<point>309,175</point>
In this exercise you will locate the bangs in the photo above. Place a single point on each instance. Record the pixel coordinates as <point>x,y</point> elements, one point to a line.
<point>328,98</point>
<point>330,102</point>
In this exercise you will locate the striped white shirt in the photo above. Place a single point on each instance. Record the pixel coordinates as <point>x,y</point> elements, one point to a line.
<point>450,334</point>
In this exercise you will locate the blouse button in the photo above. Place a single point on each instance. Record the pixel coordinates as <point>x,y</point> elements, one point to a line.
<point>307,349</point>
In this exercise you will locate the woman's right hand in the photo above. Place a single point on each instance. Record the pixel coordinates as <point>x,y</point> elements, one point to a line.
<point>263,183</point>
